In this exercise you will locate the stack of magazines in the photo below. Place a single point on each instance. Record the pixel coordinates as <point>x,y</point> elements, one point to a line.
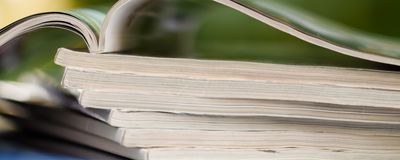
<point>156,108</point>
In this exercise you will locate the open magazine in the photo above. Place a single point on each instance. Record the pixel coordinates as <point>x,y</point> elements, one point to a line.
<point>180,108</point>
<point>107,33</point>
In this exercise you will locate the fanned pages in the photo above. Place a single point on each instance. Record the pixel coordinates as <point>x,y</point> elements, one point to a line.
<point>293,21</point>
<point>84,22</point>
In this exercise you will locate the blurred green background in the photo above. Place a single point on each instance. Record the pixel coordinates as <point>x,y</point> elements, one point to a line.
<point>205,30</point>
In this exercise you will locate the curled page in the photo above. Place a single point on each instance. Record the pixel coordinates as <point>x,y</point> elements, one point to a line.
<point>84,22</point>
<point>319,31</point>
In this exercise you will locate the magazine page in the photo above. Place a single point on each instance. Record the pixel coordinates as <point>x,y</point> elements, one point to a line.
<point>319,31</point>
